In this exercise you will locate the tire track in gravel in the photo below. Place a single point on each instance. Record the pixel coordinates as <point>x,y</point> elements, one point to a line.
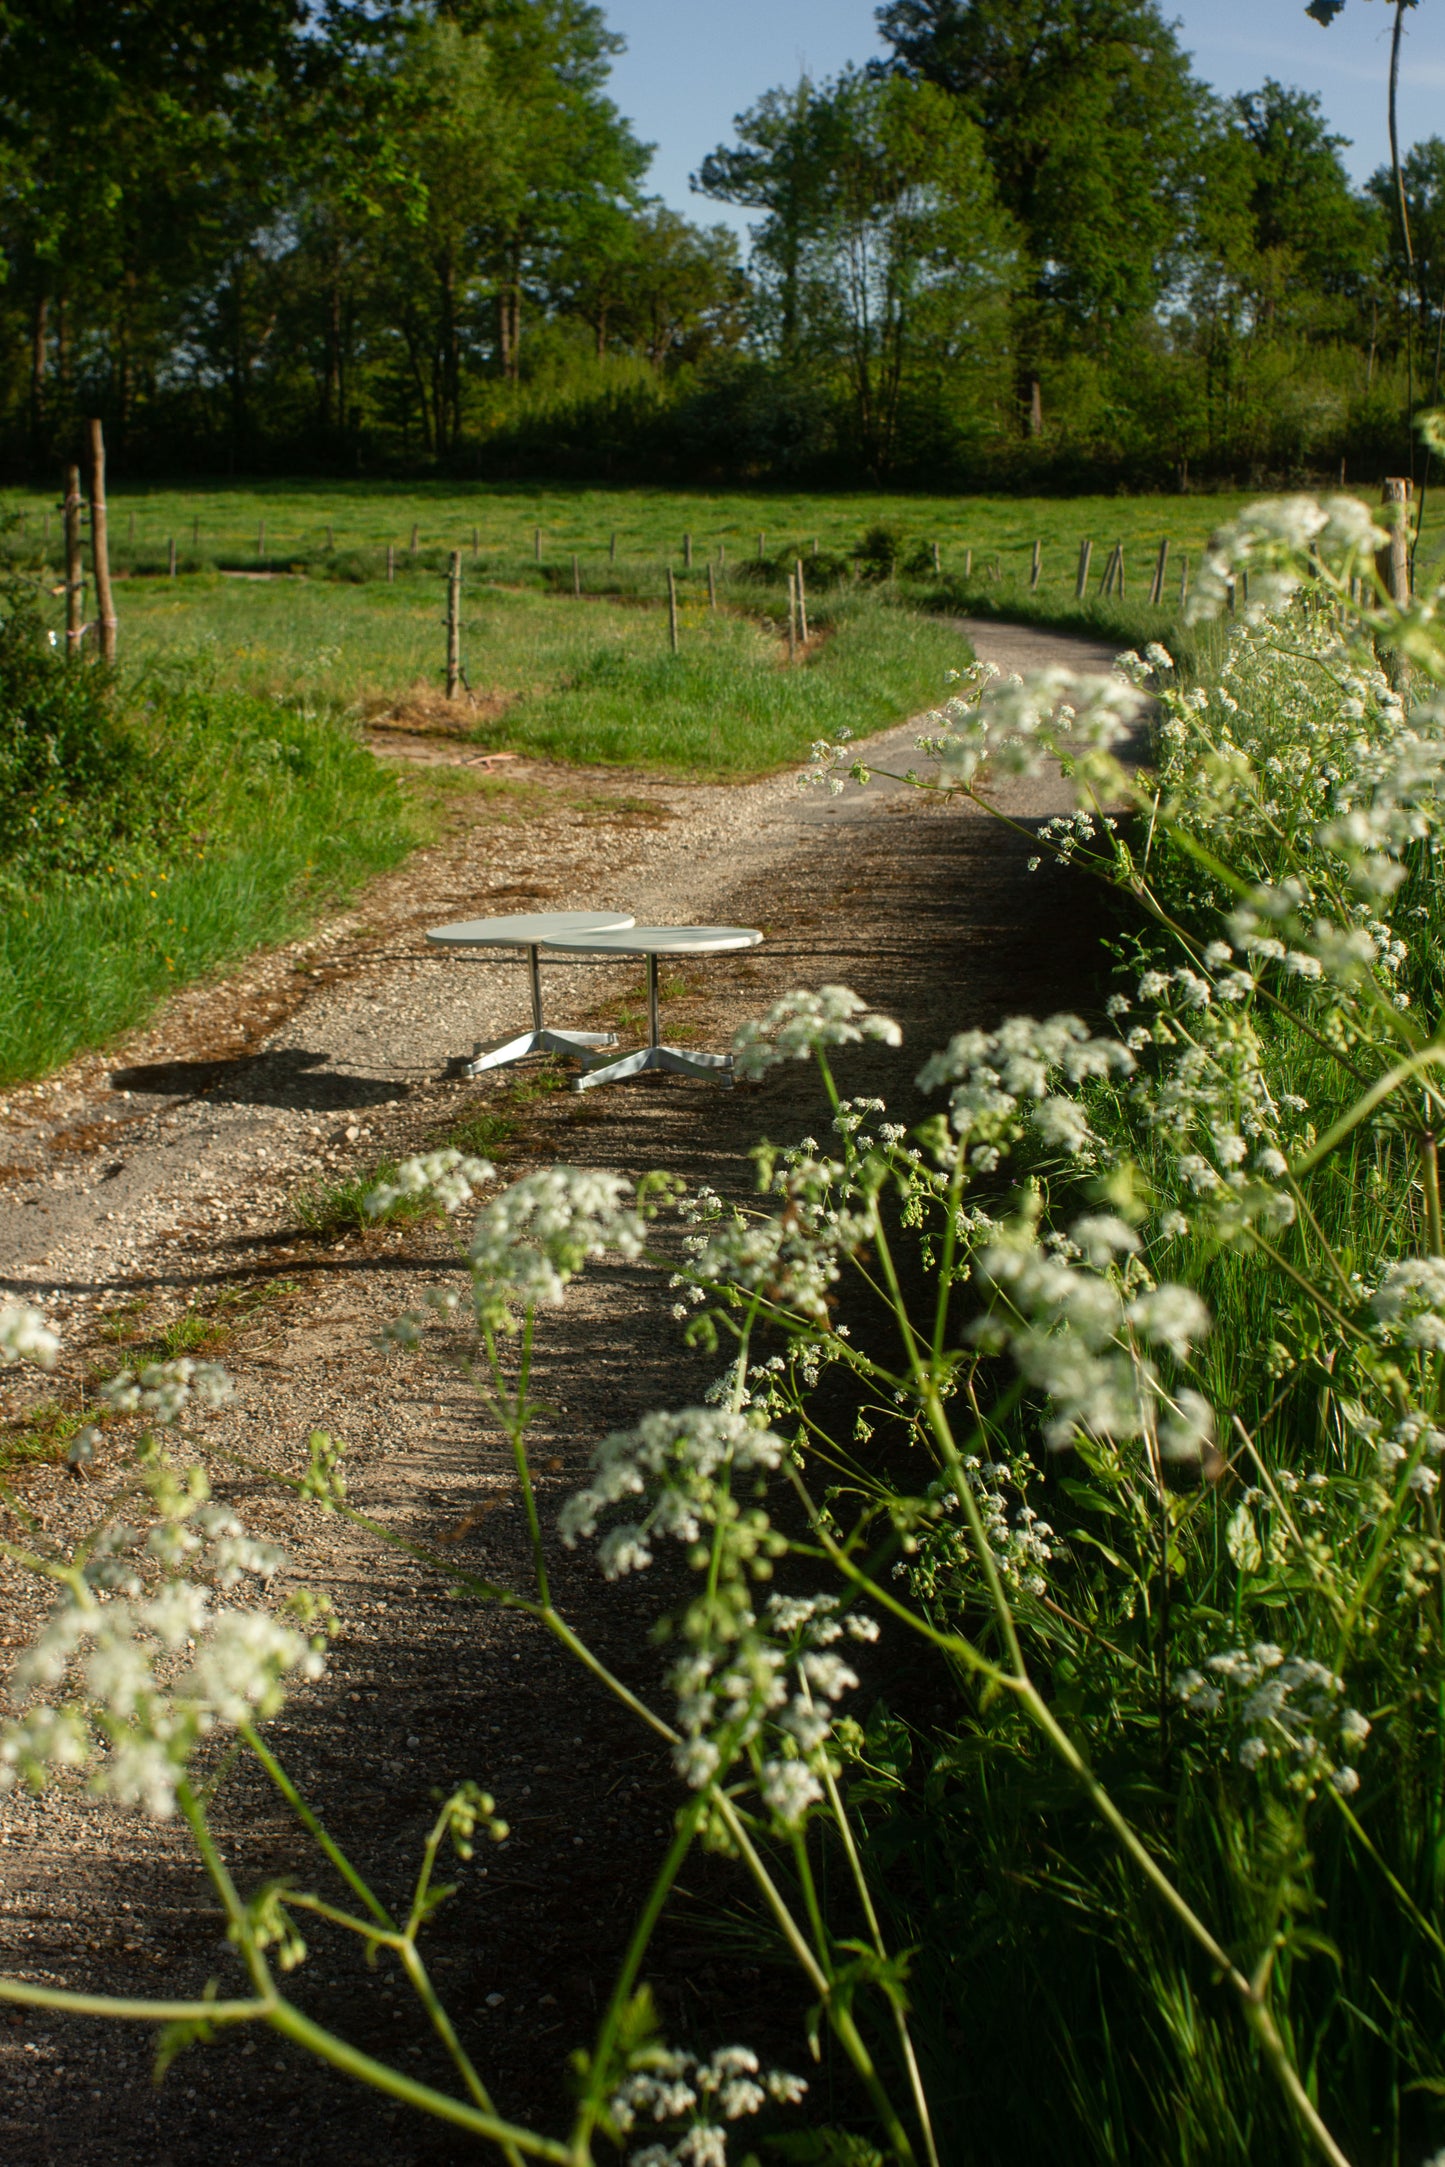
<point>323,1058</point>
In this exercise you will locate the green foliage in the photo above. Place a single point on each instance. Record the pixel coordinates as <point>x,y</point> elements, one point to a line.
<point>76,786</point>
<point>232,820</point>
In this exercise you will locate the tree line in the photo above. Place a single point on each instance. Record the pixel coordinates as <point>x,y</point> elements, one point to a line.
<point>376,235</point>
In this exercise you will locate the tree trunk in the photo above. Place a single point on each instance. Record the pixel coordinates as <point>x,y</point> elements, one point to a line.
<point>39,346</point>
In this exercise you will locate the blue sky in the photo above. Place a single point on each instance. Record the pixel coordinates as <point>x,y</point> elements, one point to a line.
<point>692,64</point>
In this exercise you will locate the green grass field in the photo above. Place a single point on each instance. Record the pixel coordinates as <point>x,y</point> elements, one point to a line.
<point>303,523</point>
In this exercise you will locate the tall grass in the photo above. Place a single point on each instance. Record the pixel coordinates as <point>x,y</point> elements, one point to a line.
<point>279,813</point>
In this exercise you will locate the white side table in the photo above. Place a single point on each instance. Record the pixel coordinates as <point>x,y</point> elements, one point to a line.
<point>531,930</point>
<point>653,941</point>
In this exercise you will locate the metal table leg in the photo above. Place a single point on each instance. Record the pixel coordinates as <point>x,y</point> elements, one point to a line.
<point>713,1067</point>
<point>539,1039</point>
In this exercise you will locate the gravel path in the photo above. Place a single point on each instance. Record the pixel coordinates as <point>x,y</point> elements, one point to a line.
<point>161,1179</point>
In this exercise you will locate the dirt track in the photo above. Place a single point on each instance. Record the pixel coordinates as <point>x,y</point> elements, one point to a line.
<point>164,1173</point>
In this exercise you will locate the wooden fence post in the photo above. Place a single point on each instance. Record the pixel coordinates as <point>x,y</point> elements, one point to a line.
<point>1081,584</point>
<point>74,567</point>
<point>537,544</point>
<point>1119,576</point>
<point>672,609</point>
<point>968,564</point>
<point>1037,566</point>
<point>454,623</point>
<point>802,603</point>
<point>100,544</point>
<point>576,574</point>
<point>1156,584</point>
<point>1183,580</point>
<point>722,555</point>
<point>390,562</point>
<point>792,619</point>
<point>687,552</point>
<point>937,562</point>
<point>171,558</point>
<point>711,586</point>
<point>612,550</point>
<point>1394,560</point>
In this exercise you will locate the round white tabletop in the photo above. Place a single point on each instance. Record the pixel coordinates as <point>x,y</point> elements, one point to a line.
<point>660,940</point>
<point>527,929</point>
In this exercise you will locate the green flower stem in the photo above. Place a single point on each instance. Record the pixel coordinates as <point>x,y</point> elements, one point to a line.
<point>312,1825</point>
<point>1252,2000</point>
<point>1407,1902</point>
<point>1428,1056</point>
<point>340,2054</point>
<point>875,1931</point>
<point>122,2006</point>
<point>1018,1683</point>
<point>517,1434</point>
<point>417,1973</point>
<point>624,1986</point>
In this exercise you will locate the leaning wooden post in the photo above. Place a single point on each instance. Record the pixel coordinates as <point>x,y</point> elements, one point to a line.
<point>576,574</point>
<point>1037,565</point>
<point>390,562</point>
<point>672,610</point>
<point>1161,562</point>
<point>1394,560</point>
<point>687,552</point>
<point>1119,552</point>
<point>968,564</point>
<point>454,624</point>
<point>74,567</point>
<point>711,586</point>
<point>792,618</point>
<point>1081,584</point>
<point>100,545</point>
<point>171,558</point>
<point>802,603</point>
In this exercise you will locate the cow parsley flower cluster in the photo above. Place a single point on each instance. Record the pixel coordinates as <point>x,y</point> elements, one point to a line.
<point>1409,1304</point>
<point>164,1390</point>
<point>1291,1710</point>
<point>26,1337</point>
<point>802,1024</point>
<point>765,1688</point>
<point>687,1467</point>
<point>678,2087</point>
<point>1021,1540</point>
<point>448,1176</point>
<point>1270,542</point>
<point>1005,1082</point>
<point>155,1668</point>
<point>1022,725</point>
<point>1081,1318</point>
